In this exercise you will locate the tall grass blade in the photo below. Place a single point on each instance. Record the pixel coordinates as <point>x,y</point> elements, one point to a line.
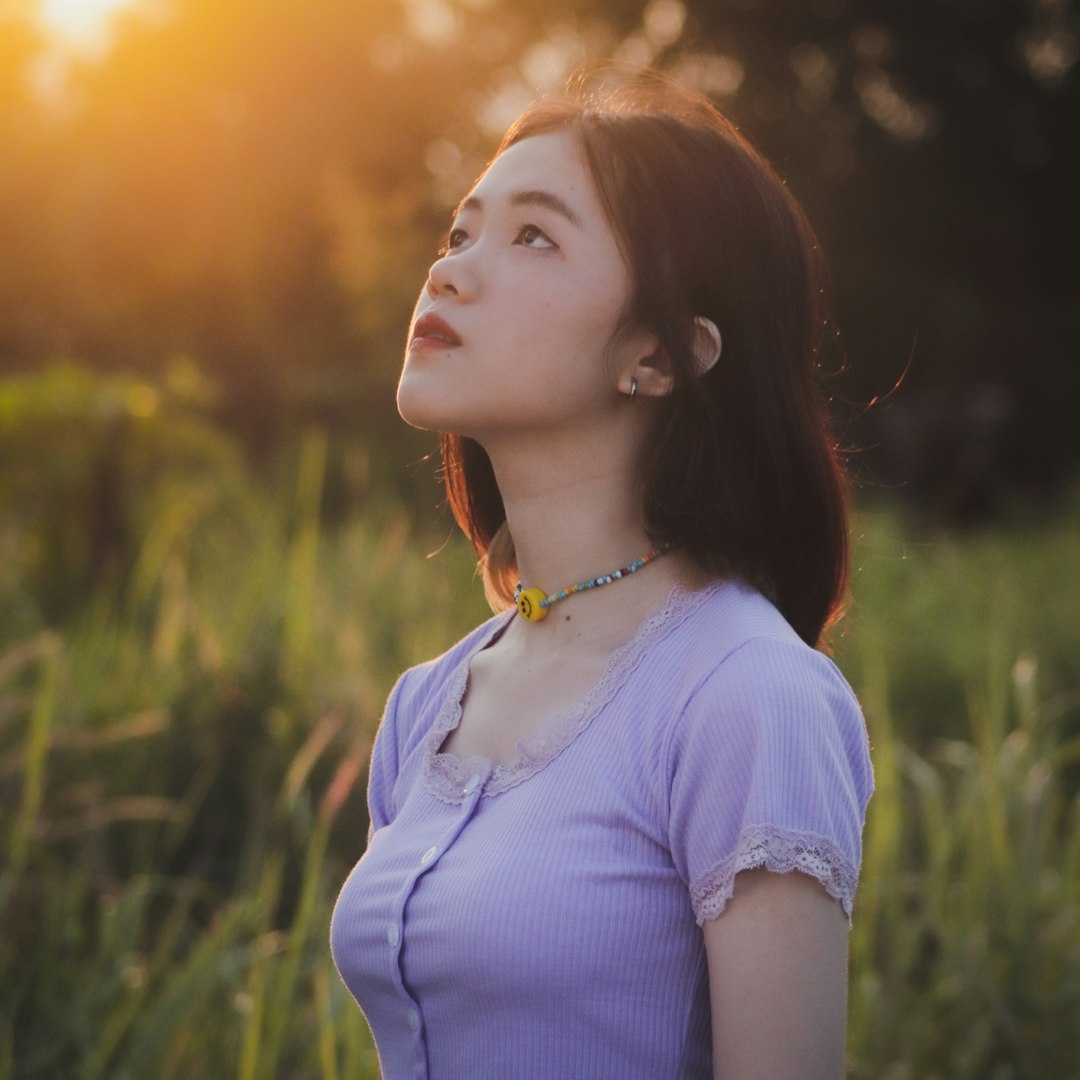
<point>42,716</point>
<point>327,1043</point>
<point>303,558</point>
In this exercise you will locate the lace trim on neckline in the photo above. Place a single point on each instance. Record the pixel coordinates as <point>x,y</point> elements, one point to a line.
<point>778,850</point>
<point>446,775</point>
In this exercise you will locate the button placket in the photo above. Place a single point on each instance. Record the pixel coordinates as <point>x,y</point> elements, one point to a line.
<point>471,791</point>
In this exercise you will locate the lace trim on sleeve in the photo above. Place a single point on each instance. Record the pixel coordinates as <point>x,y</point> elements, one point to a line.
<point>778,850</point>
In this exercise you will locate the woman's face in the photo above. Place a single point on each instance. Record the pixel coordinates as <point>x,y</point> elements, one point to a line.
<point>532,286</point>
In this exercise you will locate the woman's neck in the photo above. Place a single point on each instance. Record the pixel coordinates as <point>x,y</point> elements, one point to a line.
<point>569,528</point>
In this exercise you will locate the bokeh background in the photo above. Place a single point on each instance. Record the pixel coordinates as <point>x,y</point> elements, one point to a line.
<point>219,545</point>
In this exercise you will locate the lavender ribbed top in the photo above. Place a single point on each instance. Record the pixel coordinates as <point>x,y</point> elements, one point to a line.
<point>541,918</point>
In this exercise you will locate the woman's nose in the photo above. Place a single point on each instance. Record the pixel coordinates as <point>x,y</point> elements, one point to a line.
<point>450,276</point>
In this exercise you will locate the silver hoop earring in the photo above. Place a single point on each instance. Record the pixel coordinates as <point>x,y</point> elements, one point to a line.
<point>633,388</point>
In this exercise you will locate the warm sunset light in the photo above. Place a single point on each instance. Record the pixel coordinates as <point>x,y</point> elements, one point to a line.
<point>819,327</point>
<point>79,20</point>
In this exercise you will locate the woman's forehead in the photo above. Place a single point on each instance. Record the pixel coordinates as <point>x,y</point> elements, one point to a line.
<point>551,163</point>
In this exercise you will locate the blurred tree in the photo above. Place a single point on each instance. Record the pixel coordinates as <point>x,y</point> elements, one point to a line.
<point>261,183</point>
<point>219,150</point>
<point>937,147</point>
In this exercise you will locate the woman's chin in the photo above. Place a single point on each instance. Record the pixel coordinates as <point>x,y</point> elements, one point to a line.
<point>419,418</point>
<point>426,416</point>
<point>419,410</point>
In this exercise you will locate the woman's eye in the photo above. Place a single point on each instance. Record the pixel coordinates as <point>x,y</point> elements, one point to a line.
<point>529,233</point>
<point>453,239</point>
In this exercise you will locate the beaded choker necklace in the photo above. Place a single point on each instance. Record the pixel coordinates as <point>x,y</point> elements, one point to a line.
<point>533,604</point>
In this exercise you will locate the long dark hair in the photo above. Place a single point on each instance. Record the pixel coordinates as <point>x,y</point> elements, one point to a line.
<point>742,471</point>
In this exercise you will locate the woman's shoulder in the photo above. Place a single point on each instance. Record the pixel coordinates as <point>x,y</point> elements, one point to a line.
<point>735,644</point>
<point>720,620</point>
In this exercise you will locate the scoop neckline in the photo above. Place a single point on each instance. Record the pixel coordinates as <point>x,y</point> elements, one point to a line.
<point>452,778</point>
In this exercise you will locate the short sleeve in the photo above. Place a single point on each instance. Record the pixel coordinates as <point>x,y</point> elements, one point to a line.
<point>768,765</point>
<point>383,770</point>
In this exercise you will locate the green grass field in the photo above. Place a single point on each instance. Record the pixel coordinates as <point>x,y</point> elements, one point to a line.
<point>182,759</point>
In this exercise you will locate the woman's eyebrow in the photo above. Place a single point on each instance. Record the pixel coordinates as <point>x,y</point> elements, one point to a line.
<point>531,197</point>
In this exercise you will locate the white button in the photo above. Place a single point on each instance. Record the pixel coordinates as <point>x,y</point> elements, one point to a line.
<point>414,1019</point>
<point>427,856</point>
<point>470,787</point>
<point>392,934</point>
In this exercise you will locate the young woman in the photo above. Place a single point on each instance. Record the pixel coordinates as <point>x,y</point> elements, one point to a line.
<point>616,830</point>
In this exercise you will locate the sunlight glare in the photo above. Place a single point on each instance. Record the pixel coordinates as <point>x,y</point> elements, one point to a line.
<point>79,20</point>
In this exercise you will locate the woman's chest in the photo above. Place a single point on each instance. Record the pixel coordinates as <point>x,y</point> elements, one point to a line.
<point>506,702</point>
<point>563,865</point>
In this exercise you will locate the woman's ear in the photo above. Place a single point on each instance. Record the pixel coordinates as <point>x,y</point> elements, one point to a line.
<point>649,368</point>
<point>706,344</point>
<point>654,372</point>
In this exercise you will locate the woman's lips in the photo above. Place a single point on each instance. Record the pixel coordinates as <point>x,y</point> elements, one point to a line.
<point>431,332</point>
<point>428,342</point>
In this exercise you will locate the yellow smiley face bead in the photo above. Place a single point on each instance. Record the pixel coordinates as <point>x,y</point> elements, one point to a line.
<point>528,603</point>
